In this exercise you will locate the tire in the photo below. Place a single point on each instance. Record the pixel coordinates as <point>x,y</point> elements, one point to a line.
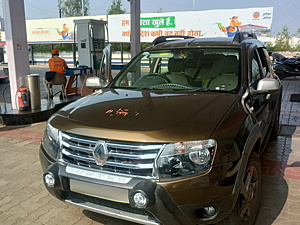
<point>247,205</point>
<point>276,127</point>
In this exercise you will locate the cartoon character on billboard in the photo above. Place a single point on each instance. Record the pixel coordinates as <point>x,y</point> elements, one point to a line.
<point>233,27</point>
<point>64,33</point>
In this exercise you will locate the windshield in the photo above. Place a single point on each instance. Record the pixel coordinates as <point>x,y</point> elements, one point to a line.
<point>183,69</point>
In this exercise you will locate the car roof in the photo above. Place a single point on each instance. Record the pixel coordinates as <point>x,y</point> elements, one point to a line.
<point>190,42</point>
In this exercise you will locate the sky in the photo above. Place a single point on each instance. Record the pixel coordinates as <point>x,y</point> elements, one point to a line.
<point>286,12</point>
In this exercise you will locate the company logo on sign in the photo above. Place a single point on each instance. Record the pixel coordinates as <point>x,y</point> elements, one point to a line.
<point>256,15</point>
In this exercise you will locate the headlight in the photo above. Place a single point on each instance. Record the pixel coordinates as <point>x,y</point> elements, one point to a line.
<point>51,142</point>
<point>185,159</point>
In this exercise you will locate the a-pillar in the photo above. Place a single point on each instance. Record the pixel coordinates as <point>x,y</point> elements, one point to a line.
<point>16,45</point>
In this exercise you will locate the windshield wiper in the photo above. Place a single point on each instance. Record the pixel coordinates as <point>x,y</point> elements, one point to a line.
<point>199,89</point>
<point>212,90</point>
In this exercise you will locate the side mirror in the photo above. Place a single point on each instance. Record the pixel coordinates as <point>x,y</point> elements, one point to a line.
<point>266,86</point>
<point>93,83</point>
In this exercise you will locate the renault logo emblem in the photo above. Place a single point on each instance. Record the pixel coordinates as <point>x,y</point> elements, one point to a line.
<point>100,153</point>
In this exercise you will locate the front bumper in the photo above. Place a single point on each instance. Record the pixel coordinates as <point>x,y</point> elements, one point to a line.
<point>162,210</point>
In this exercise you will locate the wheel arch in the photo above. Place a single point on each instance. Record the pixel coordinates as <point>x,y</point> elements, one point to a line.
<point>252,144</point>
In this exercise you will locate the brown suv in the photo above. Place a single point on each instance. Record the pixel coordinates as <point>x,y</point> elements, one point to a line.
<point>175,138</point>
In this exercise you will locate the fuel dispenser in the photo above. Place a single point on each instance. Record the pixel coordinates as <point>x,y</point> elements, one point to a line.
<point>92,56</point>
<point>91,42</point>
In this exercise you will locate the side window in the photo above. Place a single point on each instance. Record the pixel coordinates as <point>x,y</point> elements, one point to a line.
<point>268,61</point>
<point>255,70</point>
<point>264,57</point>
<point>164,66</point>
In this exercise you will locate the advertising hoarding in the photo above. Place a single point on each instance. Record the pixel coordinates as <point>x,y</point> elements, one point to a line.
<point>194,23</point>
<point>60,30</point>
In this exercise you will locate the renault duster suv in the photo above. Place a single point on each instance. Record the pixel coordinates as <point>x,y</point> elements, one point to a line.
<point>175,138</point>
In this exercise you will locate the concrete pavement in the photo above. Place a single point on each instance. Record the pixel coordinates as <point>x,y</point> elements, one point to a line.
<point>280,201</point>
<point>24,199</point>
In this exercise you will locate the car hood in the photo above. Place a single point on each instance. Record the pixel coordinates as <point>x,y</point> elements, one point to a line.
<point>147,115</point>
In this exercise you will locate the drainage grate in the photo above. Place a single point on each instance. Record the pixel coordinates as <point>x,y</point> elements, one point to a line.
<point>287,130</point>
<point>295,98</point>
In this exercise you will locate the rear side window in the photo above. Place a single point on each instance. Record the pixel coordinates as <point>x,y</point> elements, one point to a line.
<point>256,72</point>
<point>265,61</point>
<point>268,62</point>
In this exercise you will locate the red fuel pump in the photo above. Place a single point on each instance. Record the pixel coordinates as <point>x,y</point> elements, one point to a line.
<point>23,99</point>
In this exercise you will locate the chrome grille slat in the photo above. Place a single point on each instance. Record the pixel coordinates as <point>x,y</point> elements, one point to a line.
<point>130,166</point>
<point>77,148</point>
<point>79,140</point>
<point>134,148</point>
<point>77,157</point>
<point>130,156</point>
<point>133,159</point>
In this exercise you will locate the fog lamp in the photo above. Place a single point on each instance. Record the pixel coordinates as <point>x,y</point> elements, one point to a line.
<point>140,200</point>
<point>49,180</point>
<point>209,211</point>
<point>142,195</point>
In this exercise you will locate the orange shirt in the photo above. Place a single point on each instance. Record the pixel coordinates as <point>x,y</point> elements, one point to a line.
<point>57,64</point>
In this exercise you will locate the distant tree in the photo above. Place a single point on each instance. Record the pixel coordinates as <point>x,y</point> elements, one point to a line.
<point>297,47</point>
<point>270,46</point>
<point>282,40</point>
<point>297,34</point>
<point>46,48</point>
<point>115,8</point>
<point>71,8</point>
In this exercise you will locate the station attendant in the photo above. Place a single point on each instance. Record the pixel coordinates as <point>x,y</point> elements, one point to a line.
<point>56,75</point>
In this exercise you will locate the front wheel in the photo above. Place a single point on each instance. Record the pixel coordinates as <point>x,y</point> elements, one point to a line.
<point>246,208</point>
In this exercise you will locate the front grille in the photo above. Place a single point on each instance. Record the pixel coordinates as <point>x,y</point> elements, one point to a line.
<point>129,158</point>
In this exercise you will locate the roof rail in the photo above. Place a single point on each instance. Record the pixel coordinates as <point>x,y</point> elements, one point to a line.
<point>240,36</point>
<point>162,39</point>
